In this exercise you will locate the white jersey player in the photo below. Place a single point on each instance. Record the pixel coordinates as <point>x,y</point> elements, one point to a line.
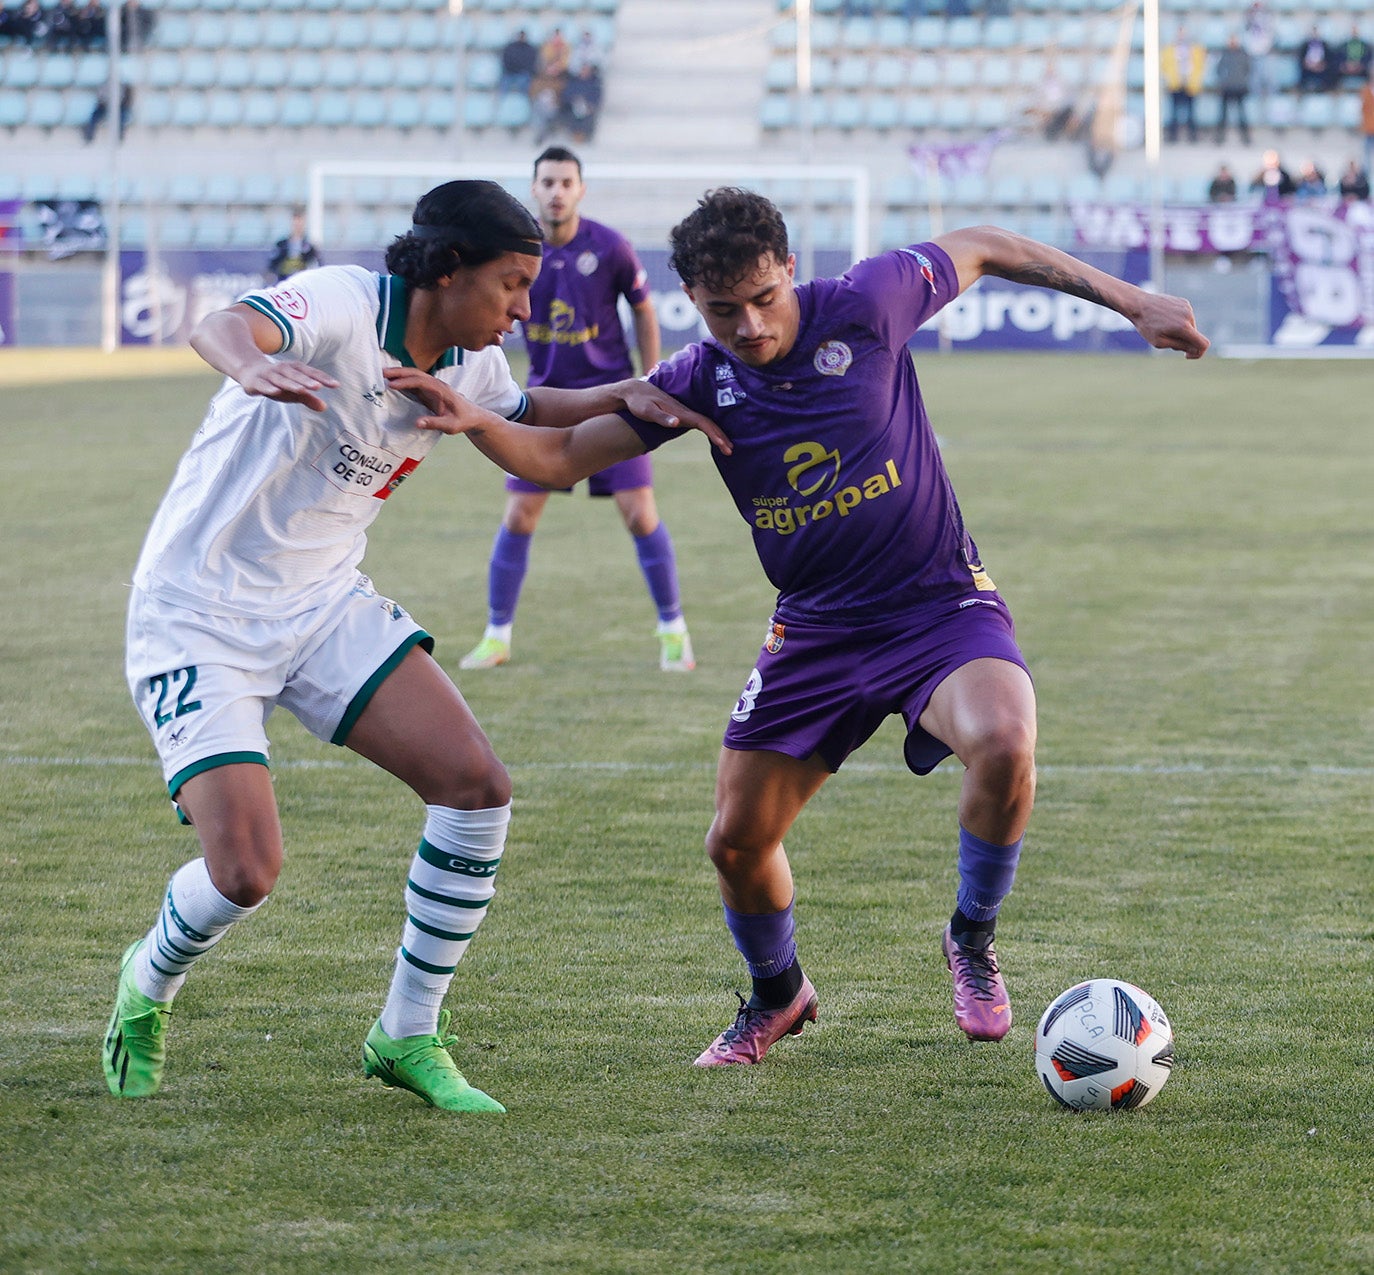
<point>248,595</point>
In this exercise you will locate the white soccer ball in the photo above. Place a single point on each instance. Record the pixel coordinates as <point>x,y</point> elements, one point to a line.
<point>1104,1045</point>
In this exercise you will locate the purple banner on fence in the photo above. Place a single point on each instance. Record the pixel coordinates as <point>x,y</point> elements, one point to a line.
<point>1210,228</point>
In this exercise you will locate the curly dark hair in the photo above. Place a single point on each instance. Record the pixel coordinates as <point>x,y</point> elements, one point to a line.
<point>722,239</point>
<point>469,223</point>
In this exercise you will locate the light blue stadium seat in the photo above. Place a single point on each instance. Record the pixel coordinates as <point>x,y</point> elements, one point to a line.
<point>224,109</point>
<point>297,108</point>
<point>971,190</point>
<point>351,31</point>
<point>162,70</point>
<point>269,70</point>
<point>221,189</point>
<point>777,111</point>
<point>439,111</point>
<point>403,111</point>
<point>14,108</point>
<point>333,109</point>
<point>340,71</point>
<point>924,72</point>
<point>235,70</point>
<point>385,33</point>
<point>260,109</point>
<point>479,111</point>
<point>173,31</point>
<point>153,109</point>
<point>313,33</point>
<point>1008,190</point>
<point>369,109</point>
<point>244,32</point>
<point>823,73</point>
<point>483,71</point>
<point>188,110</point>
<point>411,71</point>
<point>846,112</point>
<point>76,109</point>
<point>889,73</point>
<point>209,31</point>
<point>852,72</point>
<point>1316,111</point>
<point>18,70</point>
<point>376,73</point>
<point>210,229</point>
<point>999,32</point>
<point>955,112</point>
<point>45,108</point>
<point>420,31</point>
<point>882,112</point>
<point>892,32</point>
<point>185,188</point>
<point>250,230</point>
<point>963,33</point>
<point>780,74</point>
<point>784,35</point>
<point>960,72</point>
<point>1030,70</point>
<point>918,111</point>
<point>93,70</point>
<point>305,71</point>
<point>513,111</point>
<point>198,71</point>
<point>858,33</point>
<point>995,72</point>
<point>55,71</point>
<point>279,31</point>
<point>443,72</point>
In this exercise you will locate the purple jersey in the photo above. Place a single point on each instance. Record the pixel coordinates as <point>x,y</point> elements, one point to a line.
<point>835,465</point>
<point>574,334</point>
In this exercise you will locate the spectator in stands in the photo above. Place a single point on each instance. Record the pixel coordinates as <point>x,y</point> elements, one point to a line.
<point>1273,180</point>
<point>136,27</point>
<point>1314,64</point>
<point>544,109</point>
<point>1051,107</point>
<point>581,102</point>
<point>1259,44</point>
<point>31,25</point>
<point>1223,187</point>
<point>294,253</point>
<point>1353,56</point>
<point>1354,182</point>
<point>62,27</point>
<point>1367,121</point>
<point>584,53</point>
<point>90,25</point>
<point>519,62</point>
<point>1311,181</point>
<point>1182,65</point>
<point>1233,83</point>
<point>555,55</point>
<point>102,109</point>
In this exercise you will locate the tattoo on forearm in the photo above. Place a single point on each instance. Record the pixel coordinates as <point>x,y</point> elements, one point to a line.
<point>1045,276</point>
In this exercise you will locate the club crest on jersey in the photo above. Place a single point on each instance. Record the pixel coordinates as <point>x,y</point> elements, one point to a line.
<point>775,639</point>
<point>373,395</point>
<point>587,263</point>
<point>724,372</point>
<point>290,302</point>
<point>833,358</point>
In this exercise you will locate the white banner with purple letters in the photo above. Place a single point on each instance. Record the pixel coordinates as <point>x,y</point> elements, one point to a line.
<point>1322,253</point>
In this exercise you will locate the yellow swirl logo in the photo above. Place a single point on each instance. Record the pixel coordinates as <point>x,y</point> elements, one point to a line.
<point>813,470</point>
<point>561,316</point>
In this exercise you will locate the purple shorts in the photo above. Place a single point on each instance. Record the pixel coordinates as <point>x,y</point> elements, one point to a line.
<point>624,475</point>
<point>825,689</point>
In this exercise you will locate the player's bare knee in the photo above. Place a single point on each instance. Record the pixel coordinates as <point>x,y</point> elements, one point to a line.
<point>246,882</point>
<point>471,789</point>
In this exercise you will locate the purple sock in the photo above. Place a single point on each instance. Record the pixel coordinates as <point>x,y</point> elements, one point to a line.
<point>510,558</point>
<point>986,872</point>
<point>659,565</point>
<point>765,940</point>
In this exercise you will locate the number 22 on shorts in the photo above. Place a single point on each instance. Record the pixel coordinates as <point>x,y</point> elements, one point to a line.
<point>163,684</point>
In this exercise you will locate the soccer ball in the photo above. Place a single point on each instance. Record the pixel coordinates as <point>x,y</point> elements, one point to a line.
<point>1104,1045</point>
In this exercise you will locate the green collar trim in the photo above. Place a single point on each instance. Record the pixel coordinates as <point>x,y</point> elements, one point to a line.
<point>394,298</point>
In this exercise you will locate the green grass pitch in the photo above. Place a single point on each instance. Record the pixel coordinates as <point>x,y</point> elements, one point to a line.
<point>1189,551</point>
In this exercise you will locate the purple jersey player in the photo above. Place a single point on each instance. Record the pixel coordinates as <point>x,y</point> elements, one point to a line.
<point>883,603</point>
<point>575,340</point>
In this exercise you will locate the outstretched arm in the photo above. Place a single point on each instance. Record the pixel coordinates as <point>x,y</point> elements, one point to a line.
<point>239,341</point>
<point>559,408</point>
<point>549,457</point>
<point>1165,322</point>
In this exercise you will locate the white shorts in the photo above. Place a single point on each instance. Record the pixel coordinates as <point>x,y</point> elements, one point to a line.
<point>205,685</point>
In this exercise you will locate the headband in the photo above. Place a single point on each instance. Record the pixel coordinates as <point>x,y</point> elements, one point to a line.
<point>506,242</point>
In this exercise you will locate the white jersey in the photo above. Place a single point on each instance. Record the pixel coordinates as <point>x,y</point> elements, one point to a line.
<point>268,511</point>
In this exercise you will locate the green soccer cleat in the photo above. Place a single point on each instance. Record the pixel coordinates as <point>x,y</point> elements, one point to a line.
<point>423,1065</point>
<point>490,652</point>
<point>135,1051</point>
<point>675,653</point>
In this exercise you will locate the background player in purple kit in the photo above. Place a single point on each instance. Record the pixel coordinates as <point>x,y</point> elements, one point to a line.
<point>884,605</point>
<point>575,340</point>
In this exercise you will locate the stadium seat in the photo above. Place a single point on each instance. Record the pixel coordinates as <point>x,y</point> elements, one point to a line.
<point>56,73</point>
<point>918,112</point>
<point>411,71</point>
<point>369,110</point>
<point>297,108</point>
<point>305,71</point>
<point>269,70</point>
<point>340,71</point>
<point>955,112</point>
<point>314,34</point>
<point>777,111</point>
<point>18,71</point>
<point>92,71</point>
<point>420,31</point>
<point>279,31</point>
<point>483,71</point>
<point>513,111</point>
<point>250,230</point>
<point>153,109</point>
<point>45,108</point>
<point>332,109</point>
<point>198,71</point>
<point>851,73</point>
<point>960,72</point>
<point>892,32</point>
<point>376,73</point>
<point>224,109</point>
<point>173,31</point>
<point>479,111</point>
<point>14,108</point>
<point>351,31</point>
<point>76,109</point>
<point>260,109</point>
<point>188,110</point>
<point>209,31</point>
<point>882,112</point>
<point>780,74</point>
<point>244,31</point>
<point>924,72</point>
<point>439,111</point>
<point>403,111</point>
